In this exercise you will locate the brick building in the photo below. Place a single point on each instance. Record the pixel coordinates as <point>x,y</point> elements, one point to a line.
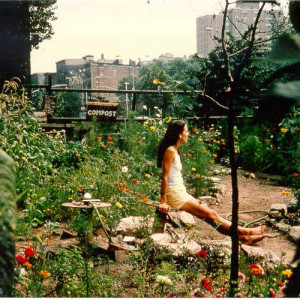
<point>238,21</point>
<point>94,74</point>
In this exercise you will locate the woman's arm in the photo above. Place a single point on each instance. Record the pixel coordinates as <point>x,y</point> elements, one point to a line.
<point>166,166</point>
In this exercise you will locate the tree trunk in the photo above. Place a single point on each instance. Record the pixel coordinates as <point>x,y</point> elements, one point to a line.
<point>235,202</point>
<point>14,41</point>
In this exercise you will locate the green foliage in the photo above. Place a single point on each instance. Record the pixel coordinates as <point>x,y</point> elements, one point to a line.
<point>68,105</point>
<point>7,223</point>
<point>41,16</point>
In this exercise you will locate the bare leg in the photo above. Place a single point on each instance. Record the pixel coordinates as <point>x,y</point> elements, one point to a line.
<point>213,218</point>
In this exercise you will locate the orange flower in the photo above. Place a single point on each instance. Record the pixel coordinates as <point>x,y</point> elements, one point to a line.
<point>190,155</point>
<point>109,138</point>
<point>99,138</point>
<point>127,191</point>
<point>116,184</point>
<point>111,142</point>
<point>47,240</point>
<point>266,140</point>
<point>45,273</point>
<point>79,190</point>
<point>77,154</point>
<point>27,265</point>
<point>104,146</point>
<point>195,130</point>
<point>137,193</point>
<point>134,180</point>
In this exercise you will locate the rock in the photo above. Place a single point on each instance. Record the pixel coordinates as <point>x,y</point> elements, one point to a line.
<point>120,256</point>
<point>269,258</point>
<point>186,218</point>
<point>250,175</point>
<point>279,207</point>
<point>281,226</point>
<point>67,234</point>
<point>208,200</point>
<point>294,233</point>
<point>128,239</point>
<point>214,179</point>
<point>177,246</point>
<point>132,225</point>
<point>220,246</point>
<point>218,198</point>
<point>292,206</point>
<point>216,172</point>
<point>220,189</point>
<point>228,172</point>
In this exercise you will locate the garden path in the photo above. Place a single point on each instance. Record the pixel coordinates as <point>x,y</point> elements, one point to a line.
<point>254,194</point>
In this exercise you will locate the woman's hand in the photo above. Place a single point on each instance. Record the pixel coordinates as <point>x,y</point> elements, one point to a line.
<point>164,208</point>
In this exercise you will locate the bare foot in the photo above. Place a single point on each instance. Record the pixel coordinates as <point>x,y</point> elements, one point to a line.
<point>251,239</point>
<point>257,230</point>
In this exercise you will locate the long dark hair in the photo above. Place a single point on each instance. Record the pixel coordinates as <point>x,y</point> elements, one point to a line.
<point>170,139</point>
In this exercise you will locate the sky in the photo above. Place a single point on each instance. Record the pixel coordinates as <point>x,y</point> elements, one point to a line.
<point>125,29</point>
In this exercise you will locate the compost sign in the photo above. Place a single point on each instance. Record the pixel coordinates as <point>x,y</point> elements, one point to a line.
<point>103,111</point>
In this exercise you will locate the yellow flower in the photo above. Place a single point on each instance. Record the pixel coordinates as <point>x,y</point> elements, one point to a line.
<point>197,175</point>
<point>193,169</point>
<point>138,133</point>
<point>164,130</point>
<point>287,273</point>
<point>204,151</point>
<point>199,139</point>
<point>284,130</point>
<point>157,81</point>
<point>211,161</point>
<point>169,120</point>
<point>45,273</point>
<point>152,128</point>
<point>286,193</point>
<point>39,234</point>
<point>147,175</point>
<point>215,155</point>
<point>119,205</point>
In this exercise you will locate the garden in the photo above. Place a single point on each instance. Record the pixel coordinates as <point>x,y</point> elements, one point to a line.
<point>50,250</point>
<point>120,169</point>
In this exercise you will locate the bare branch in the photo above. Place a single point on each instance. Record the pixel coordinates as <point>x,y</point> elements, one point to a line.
<point>225,53</point>
<point>251,45</point>
<point>214,101</point>
<point>236,28</point>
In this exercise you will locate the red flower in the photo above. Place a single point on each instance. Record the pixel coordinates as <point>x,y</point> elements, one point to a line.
<point>202,253</point>
<point>29,252</point>
<point>272,293</point>
<point>295,175</point>
<point>99,138</point>
<point>206,283</point>
<point>273,147</point>
<point>116,184</point>
<point>266,140</point>
<point>134,180</point>
<point>256,269</point>
<point>280,283</point>
<point>79,190</point>
<point>21,259</point>
<point>195,130</point>
<point>127,191</point>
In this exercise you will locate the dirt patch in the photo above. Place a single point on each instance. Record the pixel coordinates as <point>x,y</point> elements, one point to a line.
<point>258,195</point>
